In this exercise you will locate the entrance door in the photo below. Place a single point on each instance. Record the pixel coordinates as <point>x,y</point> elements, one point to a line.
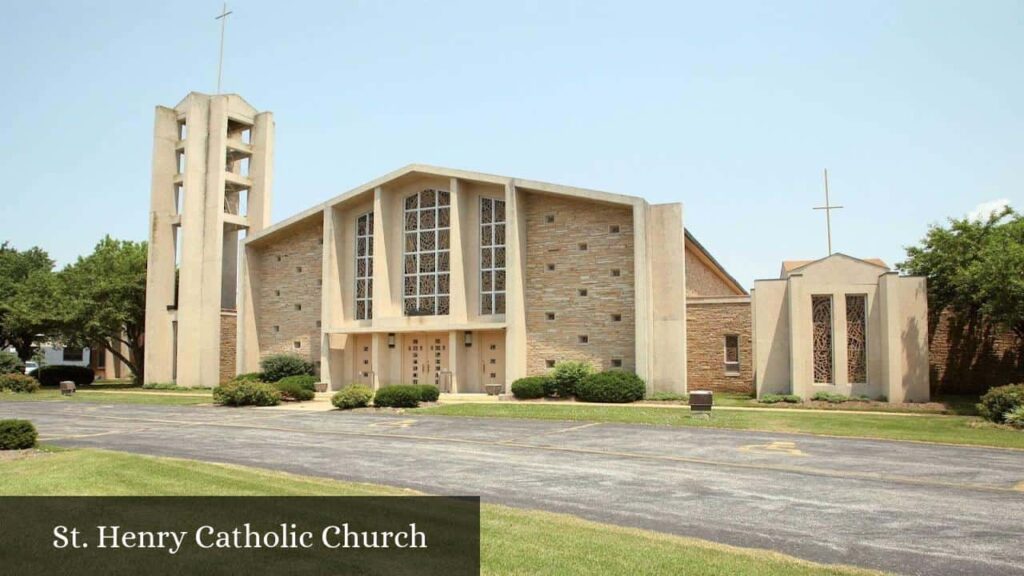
<point>425,359</point>
<point>363,359</point>
<point>492,358</point>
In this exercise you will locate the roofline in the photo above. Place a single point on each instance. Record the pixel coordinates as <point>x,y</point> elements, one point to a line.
<point>876,265</point>
<point>718,266</point>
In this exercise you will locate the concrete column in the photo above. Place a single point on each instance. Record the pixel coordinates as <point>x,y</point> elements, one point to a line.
<point>515,286</point>
<point>330,295</point>
<point>457,281</point>
<point>660,285</point>
<point>889,304</point>
<point>455,358</point>
<point>248,346</point>
<point>378,346</point>
<point>798,305</point>
<point>385,219</point>
<point>261,171</point>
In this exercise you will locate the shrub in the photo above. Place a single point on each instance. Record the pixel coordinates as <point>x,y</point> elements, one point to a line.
<point>246,394</point>
<point>1015,417</point>
<point>18,383</point>
<point>10,363</point>
<point>292,389</point>
<point>830,397</point>
<point>531,387</point>
<point>566,376</point>
<point>280,366</point>
<point>428,392</point>
<point>249,377</point>
<point>55,374</point>
<point>668,397</point>
<point>17,434</point>
<point>306,381</point>
<point>354,396</point>
<point>776,398</point>
<point>999,400</point>
<point>612,386</point>
<point>160,386</point>
<point>397,396</point>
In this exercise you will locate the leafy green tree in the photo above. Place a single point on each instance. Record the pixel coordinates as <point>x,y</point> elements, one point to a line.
<point>106,301</point>
<point>28,309</point>
<point>975,267</point>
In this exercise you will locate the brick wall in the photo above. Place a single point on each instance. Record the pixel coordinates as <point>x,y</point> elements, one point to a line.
<point>707,324</point>
<point>701,281</point>
<point>287,273</point>
<point>578,221</point>
<point>228,339</point>
<point>970,356</point>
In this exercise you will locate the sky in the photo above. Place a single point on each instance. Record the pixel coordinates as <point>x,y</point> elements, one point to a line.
<point>732,108</point>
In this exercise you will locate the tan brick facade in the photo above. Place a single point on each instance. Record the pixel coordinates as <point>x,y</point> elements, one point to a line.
<point>707,324</point>
<point>557,242</point>
<point>228,341</point>
<point>701,280</point>
<point>970,356</point>
<point>287,278</point>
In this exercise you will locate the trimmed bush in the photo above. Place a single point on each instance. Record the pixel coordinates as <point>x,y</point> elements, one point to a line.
<point>249,377</point>
<point>566,376</point>
<point>292,389</point>
<point>998,401</point>
<point>612,386</point>
<point>10,363</point>
<point>246,394</point>
<point>669,397</point>
<point>1015,417</point>
<point>17,434</point>
<point>532,387</point>
<point>428,392</point>
<point>354,396</point>
<point>830,397</point>
<point>18,383</point>
<point>776,398</point>
<point>397,396</point>
<point>306,381</point>
<point>55,374</point>
<point>279,366</point>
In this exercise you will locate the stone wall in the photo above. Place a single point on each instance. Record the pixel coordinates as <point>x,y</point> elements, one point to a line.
<point>701,280</point>
<point>557,242</point>
<point>287,278</point>
<point>228,340</point>
<point>708,322</point>
<point>970,356</point>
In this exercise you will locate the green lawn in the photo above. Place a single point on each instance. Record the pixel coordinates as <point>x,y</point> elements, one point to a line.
<point>925,428</point>
<point>513,541</point>
<point>126,396</point>
<point>946,404</point>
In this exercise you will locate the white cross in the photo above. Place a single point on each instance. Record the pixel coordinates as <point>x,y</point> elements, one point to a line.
<point>828,208</point>
<point>220,63</point>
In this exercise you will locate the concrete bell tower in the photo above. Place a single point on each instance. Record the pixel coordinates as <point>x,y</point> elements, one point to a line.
<point>212,172</point>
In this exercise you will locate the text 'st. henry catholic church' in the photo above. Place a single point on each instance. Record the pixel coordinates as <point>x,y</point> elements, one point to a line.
<point>470,281</point>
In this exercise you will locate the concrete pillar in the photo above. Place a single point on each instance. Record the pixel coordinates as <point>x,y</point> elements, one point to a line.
<point>459,307</point>
<point>889,304</point>
<point>515,286</point>
<point>660,285</point>
<point>455,358</point>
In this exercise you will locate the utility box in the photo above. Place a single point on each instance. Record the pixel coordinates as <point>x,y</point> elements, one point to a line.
<point>701,400</point>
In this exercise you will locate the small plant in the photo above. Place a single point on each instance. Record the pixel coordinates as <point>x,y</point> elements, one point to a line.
<point>294,388</point>
<point>55,374</point>
<point>998,401</point>
<point>10,363</point>
<point>246,394</point>
<point>397,396</point>
<point>306,381</point>
<point>428,392</point>
<point>249,377</point>
<point>160,386</point>
<point>18,383</point>
<point>17,435</point>
<point>668,397</point>
<point>531,387</point>
<point>613,386</point>
<point>354,396</point>
<point>566,376</point>
<point>830,397</point>
<point>1015,417</point>
<point>776,398</point>
<point>278,366</point>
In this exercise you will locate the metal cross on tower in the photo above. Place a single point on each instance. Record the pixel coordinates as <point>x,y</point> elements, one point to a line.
<point>828,208</point>
<point>220,63</point>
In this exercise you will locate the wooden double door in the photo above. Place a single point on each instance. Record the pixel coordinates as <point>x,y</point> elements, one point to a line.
<point>426,359</point>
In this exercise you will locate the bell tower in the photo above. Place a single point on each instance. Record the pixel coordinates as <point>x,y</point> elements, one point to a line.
<point>212,172</point>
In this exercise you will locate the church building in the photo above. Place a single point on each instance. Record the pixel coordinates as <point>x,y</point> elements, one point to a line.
<point>424,275</point>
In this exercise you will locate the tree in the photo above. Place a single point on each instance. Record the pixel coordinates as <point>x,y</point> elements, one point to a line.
<point>975,267</point>
<point>106,301</point>
<point>27,299</point>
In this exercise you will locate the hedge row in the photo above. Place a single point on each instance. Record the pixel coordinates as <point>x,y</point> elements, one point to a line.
<point>578,379</point>
<point>1004,405</point>
<point>18,383</point>
<point>246,393</point>
<point>54,374</point>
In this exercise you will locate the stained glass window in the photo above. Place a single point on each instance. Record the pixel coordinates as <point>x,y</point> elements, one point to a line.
<point>821,315</point>
<point>856,339</point>
<point>364,267</point>
<point>492,256</point>
<point>427,245</point>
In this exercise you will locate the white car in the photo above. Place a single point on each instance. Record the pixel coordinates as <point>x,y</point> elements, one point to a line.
<point>30,366</point>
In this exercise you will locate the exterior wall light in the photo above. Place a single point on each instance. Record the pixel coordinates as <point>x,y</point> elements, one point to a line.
<point>391,340</point>
<point>468,338</point>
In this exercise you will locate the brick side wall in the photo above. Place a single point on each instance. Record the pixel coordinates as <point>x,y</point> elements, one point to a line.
<point>577,221</point>
<point>228,339</point>
<point>281,286</point>
<point>969,357</point>
<point>707,324</point>
<point>701,281</point>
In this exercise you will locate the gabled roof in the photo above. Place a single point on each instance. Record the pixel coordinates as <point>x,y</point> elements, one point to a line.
<point>716,268</point>
<point>790,266</point>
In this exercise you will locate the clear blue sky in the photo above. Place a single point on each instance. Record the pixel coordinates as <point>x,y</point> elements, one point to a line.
<point>731,108</point>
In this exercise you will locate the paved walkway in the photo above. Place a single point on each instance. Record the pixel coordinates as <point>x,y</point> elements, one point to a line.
<point>904,507</point>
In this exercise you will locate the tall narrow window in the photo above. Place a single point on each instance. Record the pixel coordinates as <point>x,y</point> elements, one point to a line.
<point>492,256</point>
<point>821,315</point>
<point>732,354</point>
<point>427,244</point>
<point>856,339</point>
<point>364,267</point>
